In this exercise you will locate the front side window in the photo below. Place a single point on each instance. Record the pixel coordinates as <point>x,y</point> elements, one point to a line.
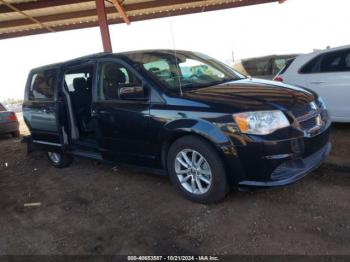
<point>183,70</point>
<point>42,85</point>
<point>114,77</point>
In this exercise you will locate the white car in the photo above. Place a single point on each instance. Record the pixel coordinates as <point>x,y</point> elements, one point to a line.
<point>327,72</point>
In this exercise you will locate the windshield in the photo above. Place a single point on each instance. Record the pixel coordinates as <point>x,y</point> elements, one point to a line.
<point>184,69</point>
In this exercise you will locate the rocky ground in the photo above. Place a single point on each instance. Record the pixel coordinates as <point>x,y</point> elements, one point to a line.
<point>92,208</point>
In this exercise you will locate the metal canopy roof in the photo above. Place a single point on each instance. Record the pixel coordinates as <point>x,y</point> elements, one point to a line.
<point>29,17</point>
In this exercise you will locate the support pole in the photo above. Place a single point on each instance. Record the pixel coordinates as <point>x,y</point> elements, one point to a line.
<point>102,20</point>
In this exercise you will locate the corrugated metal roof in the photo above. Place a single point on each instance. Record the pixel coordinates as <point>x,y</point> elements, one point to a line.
<point>27,17</point>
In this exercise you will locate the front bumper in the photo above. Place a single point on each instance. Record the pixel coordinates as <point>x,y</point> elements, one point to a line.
<point>293,170</point>
<point>273,163</point>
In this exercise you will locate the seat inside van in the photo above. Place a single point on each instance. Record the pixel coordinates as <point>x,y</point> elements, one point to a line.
<point>82,98</point>
<point>113,79</point>
<point>78,84</point>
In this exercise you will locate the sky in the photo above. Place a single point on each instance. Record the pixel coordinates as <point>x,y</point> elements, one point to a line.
<point>296,26</point>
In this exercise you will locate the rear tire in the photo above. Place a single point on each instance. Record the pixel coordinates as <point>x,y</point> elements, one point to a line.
<point>16,134</point>
<point>59,160</point>
<point>196,170</point>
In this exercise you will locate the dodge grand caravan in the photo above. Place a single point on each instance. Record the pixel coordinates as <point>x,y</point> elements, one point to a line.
<point>177,113</point>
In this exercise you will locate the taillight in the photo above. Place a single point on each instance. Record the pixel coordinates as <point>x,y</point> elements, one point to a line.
<point>12,117</point>
<point>278,78</point>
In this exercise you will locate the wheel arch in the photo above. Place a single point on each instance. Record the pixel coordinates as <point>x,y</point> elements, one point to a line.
<point>201,129</point>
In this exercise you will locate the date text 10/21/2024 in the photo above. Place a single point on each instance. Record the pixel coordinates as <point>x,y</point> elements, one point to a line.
<point>173,258</point>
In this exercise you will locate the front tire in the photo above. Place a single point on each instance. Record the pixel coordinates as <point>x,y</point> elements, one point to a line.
<point>196,170</point>
<point>59,160</point>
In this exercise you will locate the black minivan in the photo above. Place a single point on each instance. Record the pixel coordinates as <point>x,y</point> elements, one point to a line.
<point>177,113</point>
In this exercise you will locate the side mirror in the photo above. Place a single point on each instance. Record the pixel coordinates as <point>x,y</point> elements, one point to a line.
<point>132,93</point>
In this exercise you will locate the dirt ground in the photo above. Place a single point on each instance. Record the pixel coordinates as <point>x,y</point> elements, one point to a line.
<point>92,208</point>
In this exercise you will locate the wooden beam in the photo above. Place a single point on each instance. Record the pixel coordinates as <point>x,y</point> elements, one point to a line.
<point>55,3</point>
<point>25,6</point>
<point>139,17</point>
<point>24,14</point>
<point>121,11</point>
<point>92,12</point>
<point>102,21</point>
<point>50,18</point>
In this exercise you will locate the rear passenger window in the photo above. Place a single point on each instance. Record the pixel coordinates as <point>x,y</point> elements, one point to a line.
<point>2,108</point>
<point>312,66</point>
<point>42,85</point>
<point>337,61</point>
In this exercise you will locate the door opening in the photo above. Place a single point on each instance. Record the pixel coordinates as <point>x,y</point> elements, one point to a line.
<point>78,86</point>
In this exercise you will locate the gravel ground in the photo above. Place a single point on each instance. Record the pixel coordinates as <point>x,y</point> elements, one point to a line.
<point>91,208</point>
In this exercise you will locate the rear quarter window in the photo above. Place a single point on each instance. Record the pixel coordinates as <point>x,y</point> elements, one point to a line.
<point>42,85</point>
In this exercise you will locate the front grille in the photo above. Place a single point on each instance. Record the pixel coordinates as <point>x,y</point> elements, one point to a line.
<point>309,117</point>
<point>301,110</point>
<point>309,123</point>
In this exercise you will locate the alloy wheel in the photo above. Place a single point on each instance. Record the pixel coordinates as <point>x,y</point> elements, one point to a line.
<point>193,171</point>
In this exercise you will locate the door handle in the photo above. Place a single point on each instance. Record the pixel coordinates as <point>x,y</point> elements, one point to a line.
<point>94,113</point>
<point>317,82</point>
<point>102,112</point>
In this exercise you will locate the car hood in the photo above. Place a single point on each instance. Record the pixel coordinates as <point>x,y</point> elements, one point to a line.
<point>252,94</point>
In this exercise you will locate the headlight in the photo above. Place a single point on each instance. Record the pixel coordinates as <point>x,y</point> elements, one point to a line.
<point>260,122</point>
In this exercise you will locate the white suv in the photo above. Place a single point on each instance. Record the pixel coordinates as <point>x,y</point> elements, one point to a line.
<point>327,72</point>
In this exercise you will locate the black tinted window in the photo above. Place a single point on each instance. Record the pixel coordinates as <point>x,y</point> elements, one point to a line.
<point>312,66</point>
<point>42,85</point>
<point>2,108</point>
<point>337,61</point>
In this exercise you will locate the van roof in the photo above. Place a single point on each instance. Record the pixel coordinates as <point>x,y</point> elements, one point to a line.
<point>73,61</point>
<point>102,55</point>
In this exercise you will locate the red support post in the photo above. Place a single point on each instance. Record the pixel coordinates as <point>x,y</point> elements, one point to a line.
<point>102,20</point>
